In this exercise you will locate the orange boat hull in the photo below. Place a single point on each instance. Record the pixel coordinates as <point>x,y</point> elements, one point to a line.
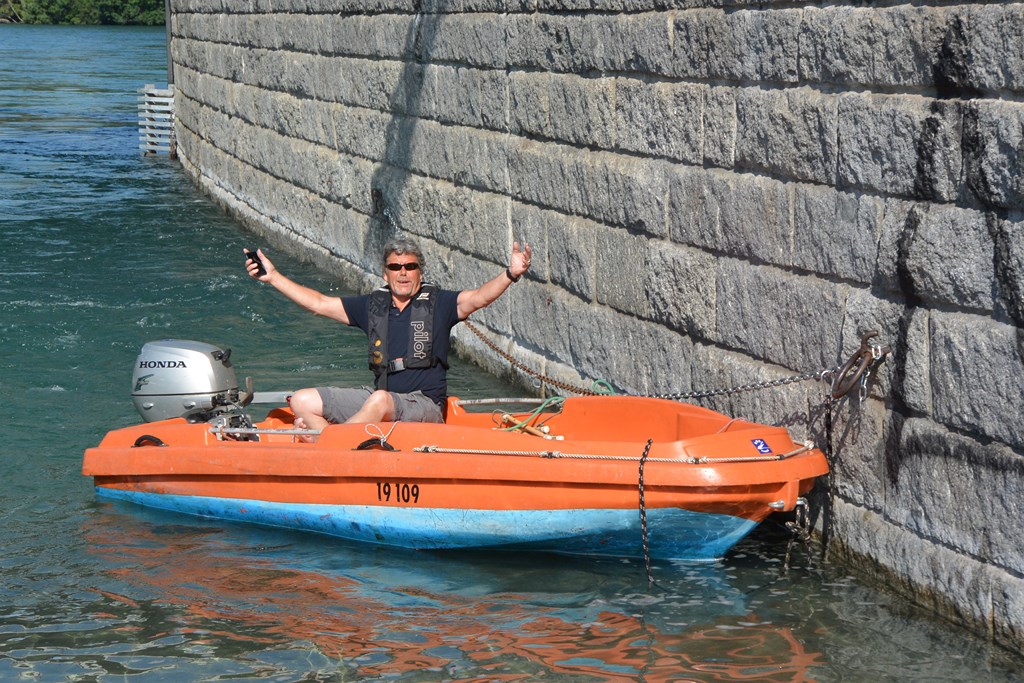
<point>702,484</point>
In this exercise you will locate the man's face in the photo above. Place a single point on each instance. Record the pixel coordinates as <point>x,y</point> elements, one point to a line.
<point>402,280</point>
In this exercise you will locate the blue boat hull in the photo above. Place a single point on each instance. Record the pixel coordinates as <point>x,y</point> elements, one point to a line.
<point>673,533</point>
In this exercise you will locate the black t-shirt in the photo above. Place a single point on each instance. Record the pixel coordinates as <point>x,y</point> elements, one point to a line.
<point>431,381</point>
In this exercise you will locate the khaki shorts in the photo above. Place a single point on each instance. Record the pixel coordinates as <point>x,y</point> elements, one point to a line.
<point>342,403</point>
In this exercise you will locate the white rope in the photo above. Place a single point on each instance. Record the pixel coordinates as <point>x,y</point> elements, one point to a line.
<point>380,432</point>
<point>545,454</point>
<point>624,458</point>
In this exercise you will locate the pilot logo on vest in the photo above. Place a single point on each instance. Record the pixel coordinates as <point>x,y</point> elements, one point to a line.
<point>420,339</point>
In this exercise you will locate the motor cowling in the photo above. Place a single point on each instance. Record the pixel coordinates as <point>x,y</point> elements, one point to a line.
<point>181,378</point>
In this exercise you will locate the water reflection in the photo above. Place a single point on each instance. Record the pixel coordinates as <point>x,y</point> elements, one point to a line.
<point>212,598</point>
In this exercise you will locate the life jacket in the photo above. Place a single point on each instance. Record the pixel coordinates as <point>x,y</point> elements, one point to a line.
<point>419,354</point>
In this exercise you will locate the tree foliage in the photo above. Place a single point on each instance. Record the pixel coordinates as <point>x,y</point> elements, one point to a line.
<point>144,12</point>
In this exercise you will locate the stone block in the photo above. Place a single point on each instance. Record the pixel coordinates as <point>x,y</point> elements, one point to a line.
<point>988,39</point>
<point>693,208</point>
<point>582,110</point>
<point>461,155</point>
<point>947,255</point>
<point>607,188</point>
<point>362,132</point>
<point>764,46</point>
<point>647,359</point>
<point>463,96</point>
<point>473,222</point>
<point>285,114</point>
<point>964,494</point>
<point>499,6</point>
<point>781,318</point>
<point>697,36</point>
<point>866,312</point>
<point>563,108</point>
<point>836,233</point>
<point>345,6</point>
<point>572,254</point>
<point>902,145</point>
<point>857,443</point>
<point>855,46</point>
<point>388,36</point>
<point>551,319</point>
<point>561,43</point>
<point>896,214</point>
<point>660,119</point>
<point>590,333</point>
<point>1007,608</point>
<point>529,111</point>
<point>790,133</point>
<point>1009,269</point>
<point>367,176</point>
<point>468,39</point>
<point>632,43</point>
<point>623,270</point>
<point>912,383</point>
<point>719,127</point>
<point>934,577</point>
<point>741,215</point>
<point>531,225</point>
<point>462,271</point>
<point>288,32</point>
<point>679,286</point>
<point>347,233</point>
<point>993,140</point>
<point>977,374</point>
<point>318,124</point>
<point>362,83</point>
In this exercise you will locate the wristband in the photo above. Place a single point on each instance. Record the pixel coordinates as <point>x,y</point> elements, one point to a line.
<point>508,273</point>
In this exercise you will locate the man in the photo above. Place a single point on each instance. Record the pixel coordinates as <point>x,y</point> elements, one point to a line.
<point>408,324</point>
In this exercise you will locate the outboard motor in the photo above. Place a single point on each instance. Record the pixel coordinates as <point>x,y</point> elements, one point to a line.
<point>179,378</point>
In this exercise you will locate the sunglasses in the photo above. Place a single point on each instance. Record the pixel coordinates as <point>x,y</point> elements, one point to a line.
<point>395,267</point>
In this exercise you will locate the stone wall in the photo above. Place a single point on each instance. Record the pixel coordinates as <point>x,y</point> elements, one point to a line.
<point>718,192</point>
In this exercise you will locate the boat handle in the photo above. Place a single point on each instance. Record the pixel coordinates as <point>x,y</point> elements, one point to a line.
<point>374,442</point>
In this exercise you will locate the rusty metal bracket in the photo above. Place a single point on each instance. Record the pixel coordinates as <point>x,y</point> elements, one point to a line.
<point>854,370</point>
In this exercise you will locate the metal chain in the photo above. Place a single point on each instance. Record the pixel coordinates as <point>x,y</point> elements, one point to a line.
<point>800,530</point>
<point>746,387</point>
<point>842,378</point>
<point>643,513</point>
<point>573,389</point>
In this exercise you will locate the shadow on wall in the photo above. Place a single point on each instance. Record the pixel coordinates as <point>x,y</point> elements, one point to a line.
<point>391,176</point>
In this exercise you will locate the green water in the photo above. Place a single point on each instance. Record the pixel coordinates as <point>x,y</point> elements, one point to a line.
<point>102,250</point>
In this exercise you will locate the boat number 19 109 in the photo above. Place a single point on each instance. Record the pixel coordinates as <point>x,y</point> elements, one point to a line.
<point>397,493</point>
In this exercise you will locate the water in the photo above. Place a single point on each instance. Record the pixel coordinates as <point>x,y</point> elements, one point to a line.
<point>102,250</point>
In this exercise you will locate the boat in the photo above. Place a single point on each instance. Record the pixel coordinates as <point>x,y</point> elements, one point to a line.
<point>606,475</point>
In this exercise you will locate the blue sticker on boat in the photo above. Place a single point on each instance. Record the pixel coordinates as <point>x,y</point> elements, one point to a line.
<point>761,446</point>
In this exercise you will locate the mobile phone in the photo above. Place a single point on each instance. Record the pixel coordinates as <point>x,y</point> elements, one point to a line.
<point>252,255</point>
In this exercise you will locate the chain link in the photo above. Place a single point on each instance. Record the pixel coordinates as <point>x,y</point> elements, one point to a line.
<point>800,531</point>
<point>572,389</point>
<point>643,514</point>
<point>753,386</point>
<point>856,372</point>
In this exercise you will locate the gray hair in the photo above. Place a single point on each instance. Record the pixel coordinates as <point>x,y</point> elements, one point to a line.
<point>401,246</point>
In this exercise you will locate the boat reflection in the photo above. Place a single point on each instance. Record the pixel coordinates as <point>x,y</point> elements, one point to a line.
<point>364,612</point>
